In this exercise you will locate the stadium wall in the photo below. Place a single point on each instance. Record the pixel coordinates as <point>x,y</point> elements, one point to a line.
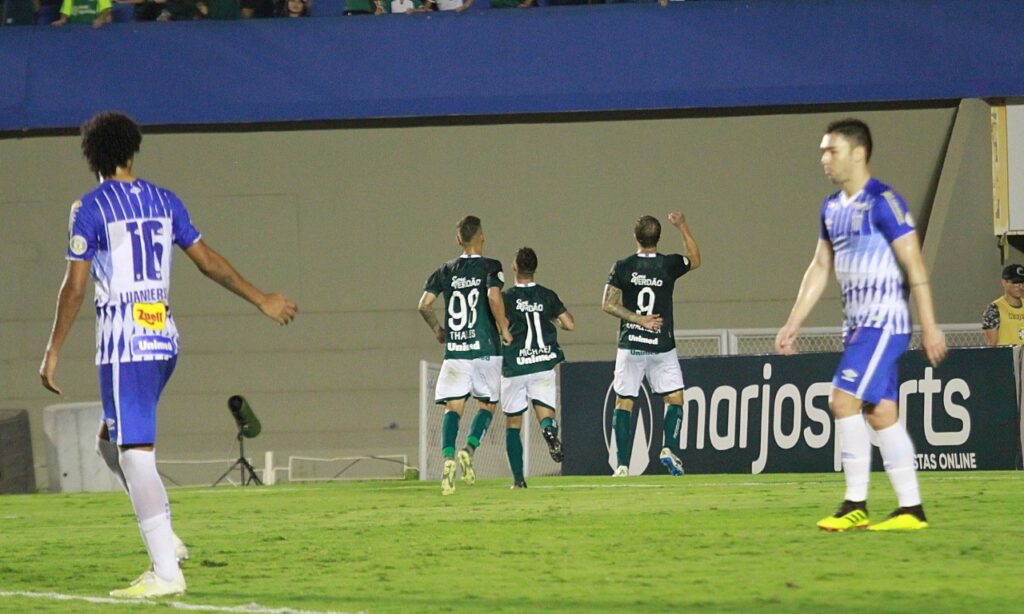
<point>350,221</point>
<point>709,54</point>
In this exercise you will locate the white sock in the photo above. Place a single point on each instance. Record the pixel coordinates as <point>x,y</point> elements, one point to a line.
<point>898,457</point>
<point>109,453</point>
<point>856,453</point>
<point>149,498</point>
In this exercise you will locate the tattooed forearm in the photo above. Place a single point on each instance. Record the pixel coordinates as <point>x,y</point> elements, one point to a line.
<point>612,304</point>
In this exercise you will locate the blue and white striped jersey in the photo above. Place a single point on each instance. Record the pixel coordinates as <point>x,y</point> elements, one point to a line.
<point>860,230</point>
<point>128,231</point>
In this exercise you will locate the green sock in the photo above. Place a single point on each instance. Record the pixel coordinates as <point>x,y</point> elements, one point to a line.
<point>481,421</point>
<point>546,422</point>
<point>449,432</point>
<point>623,426</point>
<point>514,449</point>
<point>673,420</point>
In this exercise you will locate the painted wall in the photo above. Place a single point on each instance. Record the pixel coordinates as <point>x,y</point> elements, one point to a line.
<point>350,222</point>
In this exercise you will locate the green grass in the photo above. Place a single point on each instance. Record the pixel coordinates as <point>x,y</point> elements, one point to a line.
<point>659,544</point>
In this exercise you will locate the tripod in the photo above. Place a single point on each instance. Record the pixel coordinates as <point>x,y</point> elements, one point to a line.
<point>248,474</point>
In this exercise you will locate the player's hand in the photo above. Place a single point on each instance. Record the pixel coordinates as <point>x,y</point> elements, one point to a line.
<point>651,322</point>
<point>677,218</point>
<point>785,340</point>
<point>439,335</point>
<point>278,308</point>
<point>506,337</point>
<point>933,342</point>
<point>47,370</point>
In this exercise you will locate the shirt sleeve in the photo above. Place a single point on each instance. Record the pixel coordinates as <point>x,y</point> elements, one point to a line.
<point>103,5</point>
<point>891,215</point>
<point>990,319</point>
<point>65,8</point>
<point>557,308</point>
<point>185,234</point>
<point>679,265</point>
<point>85,228</point>
<point>495,276</point>
<point>822,228</point>
<point>433,284</point>
<point>613,277</point>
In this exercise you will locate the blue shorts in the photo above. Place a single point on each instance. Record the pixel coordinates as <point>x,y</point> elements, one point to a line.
<point>130,392</point>
<point>868,369</point>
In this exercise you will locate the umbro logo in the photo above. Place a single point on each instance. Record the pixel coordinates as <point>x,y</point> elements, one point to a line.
<point>849,375</point>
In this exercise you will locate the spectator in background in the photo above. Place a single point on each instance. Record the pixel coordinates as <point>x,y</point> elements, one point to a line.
<point>293,8</point>
<point>258,8</point>
<point>96,12</point>
<point>1003,320</point>
<point>403,6</point>
<point>447,5</point>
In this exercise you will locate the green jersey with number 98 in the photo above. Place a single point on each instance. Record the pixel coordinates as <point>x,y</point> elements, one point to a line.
<point>647,282</point>
<point>469,327</point>
<point>531,311</point>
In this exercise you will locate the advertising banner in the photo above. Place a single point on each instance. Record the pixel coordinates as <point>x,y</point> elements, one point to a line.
<point>755,414</point>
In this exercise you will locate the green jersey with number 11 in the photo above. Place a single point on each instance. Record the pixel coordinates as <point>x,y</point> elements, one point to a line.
<point>531,311</point>
<point>647,282</point>
<point>469,327</point>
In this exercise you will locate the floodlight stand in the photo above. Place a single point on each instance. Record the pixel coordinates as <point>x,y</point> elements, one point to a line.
<point>248,474</point>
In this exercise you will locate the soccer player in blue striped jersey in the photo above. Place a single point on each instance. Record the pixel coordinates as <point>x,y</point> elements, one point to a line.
<point>867,236</point>
<point>122,234</point>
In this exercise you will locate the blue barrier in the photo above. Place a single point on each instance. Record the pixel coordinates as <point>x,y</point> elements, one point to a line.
<point>704,54</point>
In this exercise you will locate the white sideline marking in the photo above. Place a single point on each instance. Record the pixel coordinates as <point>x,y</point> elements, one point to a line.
<point>251,608</point>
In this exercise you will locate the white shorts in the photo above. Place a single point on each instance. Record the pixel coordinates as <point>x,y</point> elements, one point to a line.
<point>518,391</point>
<point>460,378</point>
<point>662,371</point>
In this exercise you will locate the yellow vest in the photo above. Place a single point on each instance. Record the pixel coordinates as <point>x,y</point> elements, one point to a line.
<point>1011,323</point>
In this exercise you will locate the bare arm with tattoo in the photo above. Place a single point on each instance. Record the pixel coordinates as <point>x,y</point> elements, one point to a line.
<point>612,304</point>
<point>275,306</point>
<point>426,308</point>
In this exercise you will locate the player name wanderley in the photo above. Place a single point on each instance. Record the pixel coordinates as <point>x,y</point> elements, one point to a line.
<point>464,282</point>
<point>639,279</point>
<point>153,295</point>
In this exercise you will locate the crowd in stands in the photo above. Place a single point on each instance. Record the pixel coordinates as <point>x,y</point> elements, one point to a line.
<point>100,12</point>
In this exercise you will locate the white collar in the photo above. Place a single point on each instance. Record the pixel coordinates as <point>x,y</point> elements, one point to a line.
<point>843,200</point>
<point>529,285</point>
<point>646,255</point>
<point>470,256</point>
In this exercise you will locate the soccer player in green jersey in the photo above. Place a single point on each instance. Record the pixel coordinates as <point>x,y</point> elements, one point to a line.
<point>639,293</point>
<point>470,334</point>
<point>528,362</point>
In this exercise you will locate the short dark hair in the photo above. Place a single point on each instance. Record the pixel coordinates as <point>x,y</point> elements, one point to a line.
<point>468,228</point>
<point>647,231</point>
<point>855,131</point>
<point>526,261</point>
<point>110,140</point>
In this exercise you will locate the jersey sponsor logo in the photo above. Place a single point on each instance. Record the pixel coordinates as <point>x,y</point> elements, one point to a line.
<point>527,306</point>
<point>459,283</point>
<point>153,345</point>
<point>639,279</point>
<point>530,356</point>
<point>150,315</point>
<point>78,245</point>
<point>136,190</point>
<point>463,347</point>
<point>639,339</point>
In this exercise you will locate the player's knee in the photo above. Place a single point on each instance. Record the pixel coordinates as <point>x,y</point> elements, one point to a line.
<point>675,398</point>
<point>514,421</point>
<point>623,403</point>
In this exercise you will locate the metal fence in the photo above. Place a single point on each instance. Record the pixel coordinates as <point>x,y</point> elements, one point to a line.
<point>734,341</point>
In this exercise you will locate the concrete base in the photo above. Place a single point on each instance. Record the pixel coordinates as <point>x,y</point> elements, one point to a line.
<point>72,460</point>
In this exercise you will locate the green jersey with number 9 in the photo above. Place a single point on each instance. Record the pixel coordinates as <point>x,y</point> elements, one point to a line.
<point>647,282</point>
<point>469,327</point>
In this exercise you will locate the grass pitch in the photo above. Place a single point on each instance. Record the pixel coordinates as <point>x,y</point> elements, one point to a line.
<point>650,544</point>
